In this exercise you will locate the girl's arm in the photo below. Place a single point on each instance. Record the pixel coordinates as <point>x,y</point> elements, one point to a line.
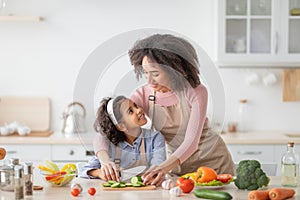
<point>109,169</point>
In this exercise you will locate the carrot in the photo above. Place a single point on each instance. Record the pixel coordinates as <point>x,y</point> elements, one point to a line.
<point>281,193</point>
<point>258,195</point>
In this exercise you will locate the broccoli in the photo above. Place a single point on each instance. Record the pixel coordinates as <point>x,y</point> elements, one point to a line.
<point>250,176</point>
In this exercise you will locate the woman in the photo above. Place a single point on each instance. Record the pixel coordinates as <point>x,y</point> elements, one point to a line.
<point>176,101</point>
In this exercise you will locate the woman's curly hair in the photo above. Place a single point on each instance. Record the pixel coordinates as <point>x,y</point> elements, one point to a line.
<point>175,55</point>
<point>104,125</point>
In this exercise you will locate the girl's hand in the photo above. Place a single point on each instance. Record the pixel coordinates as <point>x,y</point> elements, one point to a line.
<point>109,171</point>
<point>154,176</point>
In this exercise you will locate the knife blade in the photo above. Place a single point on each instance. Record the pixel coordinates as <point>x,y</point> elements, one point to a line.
<point>131,172</point>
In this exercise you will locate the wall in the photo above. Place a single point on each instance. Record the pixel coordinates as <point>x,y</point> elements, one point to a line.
<point>44,59</point>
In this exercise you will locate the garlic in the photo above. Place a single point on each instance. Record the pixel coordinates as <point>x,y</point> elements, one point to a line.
<point>175,192</point>
<point>167,184</point>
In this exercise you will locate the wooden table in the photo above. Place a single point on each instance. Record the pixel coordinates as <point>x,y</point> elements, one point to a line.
<point>54,193</point>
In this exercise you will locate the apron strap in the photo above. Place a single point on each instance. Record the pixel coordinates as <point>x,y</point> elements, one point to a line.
<point>151,99</point>
<point>117,160</point>
<point>143,149</point>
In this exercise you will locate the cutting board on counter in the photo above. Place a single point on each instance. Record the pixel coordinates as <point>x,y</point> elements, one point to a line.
<point>148,187</point>
<point>33,112</point>
<point>291,85</point>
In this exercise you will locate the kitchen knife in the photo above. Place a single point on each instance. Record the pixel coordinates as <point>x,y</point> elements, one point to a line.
<point>131,172</point>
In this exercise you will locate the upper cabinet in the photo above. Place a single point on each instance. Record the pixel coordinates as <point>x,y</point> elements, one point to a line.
<point>259,33</point>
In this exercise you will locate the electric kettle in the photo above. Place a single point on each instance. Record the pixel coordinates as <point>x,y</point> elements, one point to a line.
<point>73,121</point>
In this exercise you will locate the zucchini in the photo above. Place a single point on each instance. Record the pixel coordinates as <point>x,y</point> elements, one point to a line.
<point>212,194</point>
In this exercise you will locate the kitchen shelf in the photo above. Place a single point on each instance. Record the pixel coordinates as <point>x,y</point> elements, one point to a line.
<point>15,18</point>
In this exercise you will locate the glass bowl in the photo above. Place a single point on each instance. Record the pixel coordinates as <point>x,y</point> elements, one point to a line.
<point>58,179</point>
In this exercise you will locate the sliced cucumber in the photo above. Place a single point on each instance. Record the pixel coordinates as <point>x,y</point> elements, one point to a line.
<point>106,185</point>
<point>111,182</point>
<point>115,185</point>
<point>128,184</point>
<point>136,179</point>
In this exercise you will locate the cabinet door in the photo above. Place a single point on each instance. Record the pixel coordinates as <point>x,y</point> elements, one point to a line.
<point>28,153</point>
<point>263,153</point>
<point>259,33</point>
<point>71,153</point>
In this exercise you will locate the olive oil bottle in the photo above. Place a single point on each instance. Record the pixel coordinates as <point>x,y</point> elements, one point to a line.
<point>290,167</point>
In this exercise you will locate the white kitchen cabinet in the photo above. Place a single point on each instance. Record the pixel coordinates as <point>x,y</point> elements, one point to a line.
<point>58,153</point>
<point>71,153</point>
<point>258,33</point>
<point>263,153</point>
<point>28,152</point>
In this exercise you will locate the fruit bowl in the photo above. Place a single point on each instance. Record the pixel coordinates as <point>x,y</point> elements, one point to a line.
<point>58,179</point>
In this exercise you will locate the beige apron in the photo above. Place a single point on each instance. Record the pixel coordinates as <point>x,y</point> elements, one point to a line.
<point>141,161</point>
<point>172,122</point>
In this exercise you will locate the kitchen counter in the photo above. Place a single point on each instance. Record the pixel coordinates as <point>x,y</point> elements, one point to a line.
<point>255,137</point>
<point>261,137</point>
<point>54,193</point>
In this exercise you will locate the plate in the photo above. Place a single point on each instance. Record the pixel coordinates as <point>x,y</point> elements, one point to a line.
<point>212,187</point>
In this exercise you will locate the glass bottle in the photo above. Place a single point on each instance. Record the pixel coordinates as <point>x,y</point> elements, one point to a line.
<point>242,114</point>
<point>290,167</point>
<point>28,176</point>
<point>19,182</point>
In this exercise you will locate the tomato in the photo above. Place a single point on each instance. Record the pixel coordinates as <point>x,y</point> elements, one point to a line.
<point>224,178</point>
<point>186,184</point>
<point>206,174</point>
<point>75,192</point>
<point>92,191</point>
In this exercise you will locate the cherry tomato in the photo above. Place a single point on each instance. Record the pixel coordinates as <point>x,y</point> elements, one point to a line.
<point>92,191</point>
<point>224,178</point>
<point>186,184</point>
<point>75,192</point>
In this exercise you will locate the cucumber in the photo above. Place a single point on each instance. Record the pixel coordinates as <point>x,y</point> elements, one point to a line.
<point>212,194</point>
<point>106,185</point>
<point>136,179</point>
<point>115,185</point>
<point>112,182</point>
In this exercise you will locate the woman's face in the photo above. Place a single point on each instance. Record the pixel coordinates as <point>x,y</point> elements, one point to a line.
<point>157,78</point>
<point>132,115</point>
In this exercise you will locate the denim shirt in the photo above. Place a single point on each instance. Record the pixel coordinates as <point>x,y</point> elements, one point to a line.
<point>154,148</point>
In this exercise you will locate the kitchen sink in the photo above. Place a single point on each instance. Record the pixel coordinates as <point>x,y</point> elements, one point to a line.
<point>292,135</point>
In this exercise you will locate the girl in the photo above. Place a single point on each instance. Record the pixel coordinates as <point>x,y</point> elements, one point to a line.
<point>120,120</point>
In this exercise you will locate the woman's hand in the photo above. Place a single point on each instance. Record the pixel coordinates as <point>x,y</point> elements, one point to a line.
<point>154,176</point>
<point>109,171</point>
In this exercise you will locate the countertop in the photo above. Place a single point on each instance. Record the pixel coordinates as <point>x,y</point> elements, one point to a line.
<point>55,193</point>
<point>261,137</point>
<point>255,137</point>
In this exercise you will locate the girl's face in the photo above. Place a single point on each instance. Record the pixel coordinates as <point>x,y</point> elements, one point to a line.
<point>157,78</point>
<point>132,115</point>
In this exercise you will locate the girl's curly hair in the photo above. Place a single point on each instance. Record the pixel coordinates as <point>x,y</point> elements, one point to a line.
<point>175,55</point>
<point>104,125</point>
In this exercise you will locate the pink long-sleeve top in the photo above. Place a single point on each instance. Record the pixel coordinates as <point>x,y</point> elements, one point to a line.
<point>197,101</point>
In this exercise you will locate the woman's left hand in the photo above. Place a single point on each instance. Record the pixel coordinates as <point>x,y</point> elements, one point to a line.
<point>154,176</point>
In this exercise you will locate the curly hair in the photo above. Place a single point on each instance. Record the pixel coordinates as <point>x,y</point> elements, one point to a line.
<point>104,125</point>
<point>175,55</point>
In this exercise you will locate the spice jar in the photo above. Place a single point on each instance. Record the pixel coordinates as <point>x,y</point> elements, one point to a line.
<point>28,178</point>
<point>7,175</point>
<point>19,183</point>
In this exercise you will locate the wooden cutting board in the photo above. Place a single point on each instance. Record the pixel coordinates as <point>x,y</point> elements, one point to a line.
<point>148,187</point>
<point>33,112</point>
<point>291,85</point>
<point>31,134</point>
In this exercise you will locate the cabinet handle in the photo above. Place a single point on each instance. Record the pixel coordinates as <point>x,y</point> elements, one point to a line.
<point>71,152</point>
<point>11,152</point>
<point>276,42</point>
<point>249,152</point>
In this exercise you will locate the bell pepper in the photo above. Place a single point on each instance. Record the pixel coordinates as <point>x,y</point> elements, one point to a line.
<point>205,174</point>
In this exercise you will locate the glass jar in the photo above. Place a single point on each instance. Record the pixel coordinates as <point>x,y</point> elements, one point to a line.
<point>290,167</point>
<point>242,115</point>
<point>7,175</point>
